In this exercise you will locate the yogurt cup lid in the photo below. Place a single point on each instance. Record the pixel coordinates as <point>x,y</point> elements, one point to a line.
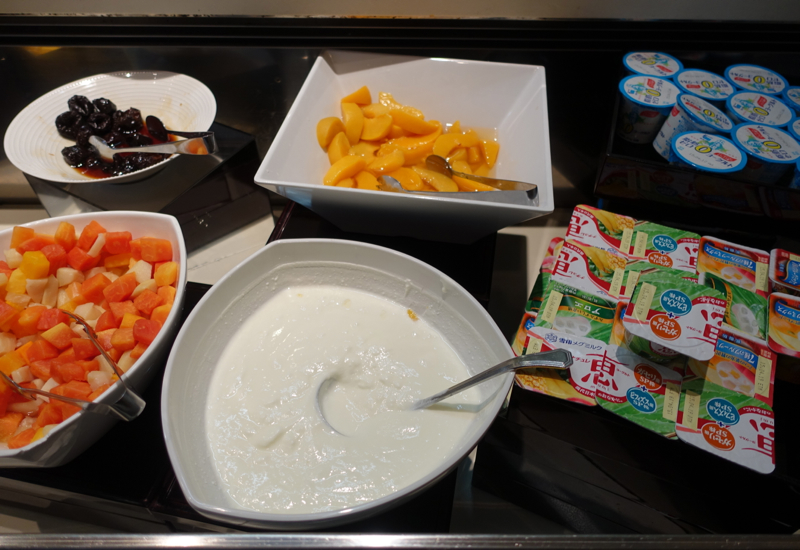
<point>708,152</point>
<point>704,113</point>
<point>704,84</point>
<point>794,128</point>
<point>792,96</point>
<point>767,143</point>
<point>649,91</point>
<point>754,78</point>
<point>760,108</point>
<point>652,63</point>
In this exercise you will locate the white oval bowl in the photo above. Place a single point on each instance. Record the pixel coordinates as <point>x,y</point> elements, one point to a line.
<point>33,144</point>
<point>459,318</point>
<point>81,430</point>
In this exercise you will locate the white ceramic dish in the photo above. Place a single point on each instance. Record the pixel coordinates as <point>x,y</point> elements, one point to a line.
<point>461,320</point>
<point>506,97</point>
<point>33,144</point>
<point>78,432</point>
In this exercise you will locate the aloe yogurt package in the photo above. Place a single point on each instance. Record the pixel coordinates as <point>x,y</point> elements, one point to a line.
<point>758,108</point>
<point>784,271</point>
<point>641,347</point>
<point>646,102</point>
<point>576,384</point>
<point>572,311</point>
<point>746,311</point>
<point>743,364</point>
<point>691,114</point>
<point>678,314</point>
<point>531,310</point>
<point>740,265</point>
<point>705,84</point>
<point>638,390</point>
<point>784,324</point>
<point>652,63</point>
<point>728,424</point>
<point>753,78</point>
<point>707,153</point>
<point>594,270</point>
<point>770,151</point>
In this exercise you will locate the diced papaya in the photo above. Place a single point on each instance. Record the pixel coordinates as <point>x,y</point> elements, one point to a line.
<point>114,354</point>
<point>92,288</point>
<point>98,392</point>
<point>4,269</point>
<point>9,422</point>
<point>166,274</point>
<point>56,255</point>
<point>75,389</point>
<point>167,293</point>
<point>68,355</point>
<point>119,309</point>
<point>160,314</point>
<point>51,318</point>
<point>7,313</point>
<point>136,249</point>
<point>156,250</point>
<point>68,371</point>
<point>89,366</point>
<point>106,321</point>
<point>21,234</point>
<point>117,260</point>
<point>65,236</point>
<point>118,242</point>
<point>122,339</point>
<point>10,362</point>
<point>146,330</point>
<point>147,301</point>
<point>28,321</point>
<point>49,413</point>
<point>89,235</point>
<point>60,336</point>
<point>79,259</point>
<point>121,289</point>
<point>104,338</point>
<point>128,320</point>
<point>21,439</point>
<point>84,348</point>
<point>139,349</point>
<point>41,350</point>
<point>23,352</point>
<point>41,368</point>
<point>37,242</point>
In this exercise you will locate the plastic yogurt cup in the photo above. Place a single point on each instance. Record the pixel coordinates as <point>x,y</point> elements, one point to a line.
<point>794,128</point>
<point>753,78</point>
<point>706,152</point>
<point>647,100</point>
<point>758,108</point>
<point>652,63</point>
<point>691,114</point>
<point>770,151</point>
<point>710,86</point>
<point>795,183</point>
<point>791,96</point>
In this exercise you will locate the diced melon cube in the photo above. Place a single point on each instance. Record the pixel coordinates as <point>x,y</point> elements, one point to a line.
<point>13,258</point>
<point>147,285</point>
<point>94,271</point>
<point>143,270</point>
<point>25,407</point>
<point>67,276</point>
<point>126,361</point>
<point>19,301</point>
<point>111,276</point>
<point>22,374</point>
<point>98,378</point>
<point>98,245</point>
<point>35,288</point>
<point>38,383</point>
<point>88,311</point>
<point>50,294</point>
<point>105,366</point>
<point>7,342</point>
<point>62,297</point>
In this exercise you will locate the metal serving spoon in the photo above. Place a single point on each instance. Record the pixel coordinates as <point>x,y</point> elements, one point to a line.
<point>555,359</point>
<point>158,131</point>
<point>388,183</point>
<point>205,145</point>
<point>440,164</point>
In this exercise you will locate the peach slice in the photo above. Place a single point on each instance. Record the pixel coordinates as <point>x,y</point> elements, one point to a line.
<point>353,121</point>
<point>327,128</point>
<point>359,97</point>
<point>376,128</point>
<point>346,167</point>
<point>339,147</point>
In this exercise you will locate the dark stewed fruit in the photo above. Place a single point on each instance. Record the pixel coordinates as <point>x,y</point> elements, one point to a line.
<point>118,128</point>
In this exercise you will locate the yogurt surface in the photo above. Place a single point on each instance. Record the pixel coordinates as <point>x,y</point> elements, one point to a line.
<point>272,450</point>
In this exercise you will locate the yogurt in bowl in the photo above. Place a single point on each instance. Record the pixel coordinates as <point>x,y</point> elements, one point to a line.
<point>753,78</point>
<point>770,151</point>
<point>691,113</point>
<point>646,102</point>
<point>710,86</point>
<point>758,108</point>
<point>652,63</point>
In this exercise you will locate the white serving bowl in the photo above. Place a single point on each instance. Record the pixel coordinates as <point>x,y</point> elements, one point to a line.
<point>458,317</point>
<point>33,144</point>
<point>506,97</point>
<point>81,430</point>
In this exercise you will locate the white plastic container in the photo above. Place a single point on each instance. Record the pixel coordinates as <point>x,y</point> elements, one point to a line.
<point>758,108</point>
<point>706,152</point>
<point>770,151</point>
<point>754,78</point>
<point>647,100</point>
<point>791,96</point>
<point>710,86</point>
<point>691,114</point>
<point>652,63</point>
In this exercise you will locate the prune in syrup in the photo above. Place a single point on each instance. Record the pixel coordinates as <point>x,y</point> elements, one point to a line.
<point>67,123</point>
<point>81,105</point>
<point>77,156</point>
<point>82,135</point>
<point>104,106</point>
<point>139,140</point>
<point>156,128</point>
<point>116,139</point>
<point>100,123</point>
<point>129,121</point>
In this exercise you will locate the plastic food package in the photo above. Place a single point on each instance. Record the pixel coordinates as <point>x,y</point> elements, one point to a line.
<point>710,86</point>
<point>746,311</point>
<point>784,324</point>
<point>572,311</point>
<point>646,102</point>
<point>641,347</point>
<point>740,265</point>
<point>784,271</point>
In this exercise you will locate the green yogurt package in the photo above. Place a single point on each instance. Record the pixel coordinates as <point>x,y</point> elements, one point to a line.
<point>531,310</point>
<point>638,390</point>
<point>572,311</point>
<point>746,311</point>
<point>641,347</point>
<point>678,314</point>
<point>731,425</point>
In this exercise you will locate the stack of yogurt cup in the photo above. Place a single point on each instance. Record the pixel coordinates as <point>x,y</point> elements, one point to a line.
<point>745,121</point>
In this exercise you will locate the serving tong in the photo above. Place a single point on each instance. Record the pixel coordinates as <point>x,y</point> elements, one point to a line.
<point>127,407</point>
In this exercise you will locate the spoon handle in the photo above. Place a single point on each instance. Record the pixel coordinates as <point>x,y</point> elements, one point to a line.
<point>555,359</point>
<point>502,185</point>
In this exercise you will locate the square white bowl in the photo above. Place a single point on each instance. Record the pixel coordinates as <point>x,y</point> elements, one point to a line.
<point>81,430</point>
<point>506,97</point>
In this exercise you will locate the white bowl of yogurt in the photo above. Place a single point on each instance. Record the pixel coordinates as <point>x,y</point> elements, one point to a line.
<point>247,442</point>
